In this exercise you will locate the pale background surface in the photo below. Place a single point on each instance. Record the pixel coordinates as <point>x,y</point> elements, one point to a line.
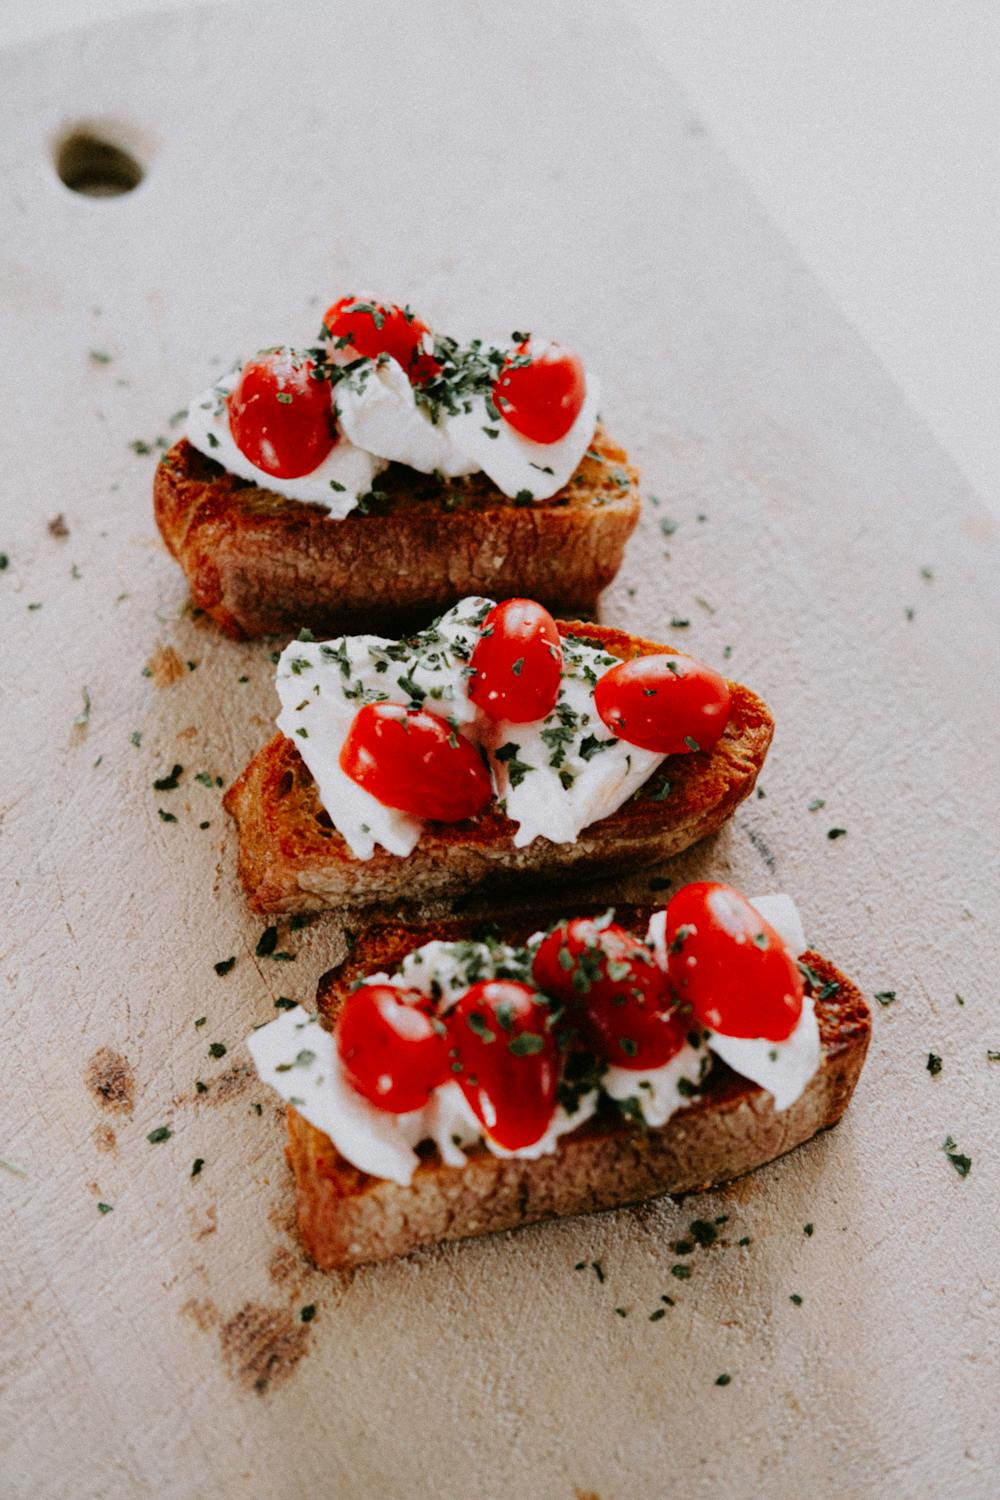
<point>133,1341</point>
<point>870,131</point>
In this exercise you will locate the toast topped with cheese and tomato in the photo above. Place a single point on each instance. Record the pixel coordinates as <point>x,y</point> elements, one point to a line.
<point>370,481</point>
<point>492,747</point>
<point>457,1081</point>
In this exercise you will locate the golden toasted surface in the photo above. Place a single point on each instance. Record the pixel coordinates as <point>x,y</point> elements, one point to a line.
<point>292,859</point>
<point>347,1217</point>
<point>261,564</point>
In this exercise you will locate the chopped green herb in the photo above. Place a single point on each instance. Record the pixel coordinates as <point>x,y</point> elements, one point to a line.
<point>105,1208</point>
<point>217,1049</point>
<point>817,803</point>
<point>598,1270</point>
<point>796,1298</point>
<point>657,1314</point>
<point>723,1379</point>
<point>962,1164</point>
<point>658,793</point>
<point>267,942</point>
<point>308,1312</point>
<point>161,1133</point>
<point>525,1045</point>
<point>166,817</point>
<point>934,1064</point>
<point>683,1273</point>
<point>197,1165</point>
<point>836,833</point>
<point>808,1230</point>
<point>885,997</point>
<point>283,1003</point>
<point>170,782</point>
<point>83,717</point>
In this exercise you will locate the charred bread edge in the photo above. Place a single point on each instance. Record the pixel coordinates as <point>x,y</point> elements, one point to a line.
<point>348,1218</point>
<point>260,564</point>
<point>289,862</point>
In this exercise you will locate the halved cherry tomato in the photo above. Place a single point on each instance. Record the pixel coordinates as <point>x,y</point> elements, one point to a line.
<point>393,1049</point>
<point>670,704</point>
<point>508,1060</point>
<point>517,663</point>
<point>620,989</point>
<point>373,328</point>
<point>414,761</point>
<point>541,391</point>
<point>280,417</point>
<point>730,965</point>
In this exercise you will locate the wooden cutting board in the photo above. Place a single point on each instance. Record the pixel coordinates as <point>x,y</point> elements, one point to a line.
<point>522,166</point>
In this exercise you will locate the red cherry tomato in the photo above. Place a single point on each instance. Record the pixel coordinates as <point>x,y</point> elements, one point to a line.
<point>621,990</point>
<point>373,328</point>
<point>670,704</point>
<point>280,418</point>
<point>517,663</point>
<point>730,965</point>
<point>508,1059</point>
<point>414,761</point>
<point>540,391</point>
<point>393,1050</point>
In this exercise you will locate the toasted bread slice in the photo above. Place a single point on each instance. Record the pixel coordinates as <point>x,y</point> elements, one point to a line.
<point>292,859</point>
<point>347,1217</point>
<point>260,564</point>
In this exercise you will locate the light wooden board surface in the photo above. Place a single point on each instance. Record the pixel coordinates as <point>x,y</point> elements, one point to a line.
<point>527,166</point>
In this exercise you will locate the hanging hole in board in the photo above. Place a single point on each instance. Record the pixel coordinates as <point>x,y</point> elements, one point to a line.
<point>91,164</point>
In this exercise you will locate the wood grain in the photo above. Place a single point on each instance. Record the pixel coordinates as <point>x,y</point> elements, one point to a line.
<point>524,166</point>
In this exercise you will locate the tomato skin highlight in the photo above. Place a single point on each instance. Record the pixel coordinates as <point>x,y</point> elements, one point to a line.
<point>612,980</point>
<point>730,965</point>
<point>280,418</point>
<point>517,663</point>
<point>541,399</point>
<point>508,1060</point>
<point>393,1051</point>
<point>414,761</point>
<point>369,329</point>
<point>669,704</point>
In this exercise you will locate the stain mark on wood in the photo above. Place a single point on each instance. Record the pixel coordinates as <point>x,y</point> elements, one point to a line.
<point>110,1080</point>
<point>105,1139</point>
<point>229,1085</point>
<point>285,1266</point>
<point>203,1313</point>
<point>203,1227</point>
<point>165,666</point>
<point>261,1346</point>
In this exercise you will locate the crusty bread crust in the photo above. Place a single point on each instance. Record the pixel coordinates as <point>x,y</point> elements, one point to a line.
<point>347,1218</point>
<point>291,858</point>
<point>260,564</point>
